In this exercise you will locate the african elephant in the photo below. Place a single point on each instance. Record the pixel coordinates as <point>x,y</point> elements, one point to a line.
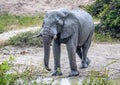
<point>72,27</point>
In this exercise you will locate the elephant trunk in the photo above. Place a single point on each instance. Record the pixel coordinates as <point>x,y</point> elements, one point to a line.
<point>46,43</point>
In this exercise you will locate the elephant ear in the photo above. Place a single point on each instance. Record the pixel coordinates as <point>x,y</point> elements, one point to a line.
<point>62,20</point>
<point>68,29</point>
<point>61,15</point>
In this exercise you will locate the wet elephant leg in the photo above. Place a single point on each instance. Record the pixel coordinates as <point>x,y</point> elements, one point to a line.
<point>56,54</point>
<point>71,48</point>
<point>72,60</point>
<point>85,60</point>
<point>79,52</point>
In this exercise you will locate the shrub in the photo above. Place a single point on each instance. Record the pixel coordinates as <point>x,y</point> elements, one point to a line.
<point>28,76</point>
<point>99,37</point>
<point>97,7</point>
<point>109,14</point>
<point>99,77</point>
<point>5,77</point>
<point>25,39</point>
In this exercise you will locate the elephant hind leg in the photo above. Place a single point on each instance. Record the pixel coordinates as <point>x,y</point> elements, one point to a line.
<point>85,60</point>
<point>79,52</point>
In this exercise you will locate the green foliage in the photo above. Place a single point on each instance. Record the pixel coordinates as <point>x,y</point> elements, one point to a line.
<point>109,14</point>
<point>99,77</point>
<point>99,37</point>
<point>97,7</point>
<point>4,67</point>
<point>5,77</point>
<point>28,20</point>
<point>8,22</point>
<point>15,77</point>
<point>24,39</point>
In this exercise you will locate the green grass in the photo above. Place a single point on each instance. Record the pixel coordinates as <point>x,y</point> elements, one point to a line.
<point>12,76</point>
<point>97,78</point>
<point>9,22</point>
<point>25,39</point>
<point>104,38</point>
<point>101,77</point>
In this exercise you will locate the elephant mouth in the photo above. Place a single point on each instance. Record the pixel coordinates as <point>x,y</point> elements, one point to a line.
<point>50,37</point>
<point>47,34</point>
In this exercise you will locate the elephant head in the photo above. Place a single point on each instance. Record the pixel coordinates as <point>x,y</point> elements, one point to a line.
<point>54,22</point>
<point>52,25</point>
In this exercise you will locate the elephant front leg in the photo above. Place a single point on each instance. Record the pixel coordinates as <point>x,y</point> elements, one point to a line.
<point>56,54</point>
<point>72,60</point>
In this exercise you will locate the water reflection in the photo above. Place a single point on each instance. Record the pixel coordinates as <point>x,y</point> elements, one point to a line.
<point>69,81</point>
<point>64,81</point>
<point>60,81</point>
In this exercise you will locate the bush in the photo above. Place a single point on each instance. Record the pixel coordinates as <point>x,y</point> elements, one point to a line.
<point>10,75</point>
<point>96,78</point>
<point>25,39</point>
<point>98,37</point>
<point>7,78</point>
<point>109,14</point>
<point>99,77</point>
<point>97,7</point>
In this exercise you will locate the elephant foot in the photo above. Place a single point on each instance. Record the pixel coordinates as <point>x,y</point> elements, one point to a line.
<point>88,61</point>
<point>85,64</point>
<point>56,73</point>
<point>47,68</point>
<point>73,73</point>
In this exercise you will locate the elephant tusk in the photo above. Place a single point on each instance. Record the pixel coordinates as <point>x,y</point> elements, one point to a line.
<point>55,36</point>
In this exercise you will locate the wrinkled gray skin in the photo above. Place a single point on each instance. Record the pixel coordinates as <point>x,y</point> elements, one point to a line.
<point>71,27</point>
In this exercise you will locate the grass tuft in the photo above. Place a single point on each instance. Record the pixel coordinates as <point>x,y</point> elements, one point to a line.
<point>25,39</point>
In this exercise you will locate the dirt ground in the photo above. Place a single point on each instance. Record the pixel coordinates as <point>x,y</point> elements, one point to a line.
<point>99,54</point>
<point>36,7</point>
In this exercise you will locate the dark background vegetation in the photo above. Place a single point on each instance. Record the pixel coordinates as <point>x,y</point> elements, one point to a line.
<point>108,11</point>
<point>105,11</point>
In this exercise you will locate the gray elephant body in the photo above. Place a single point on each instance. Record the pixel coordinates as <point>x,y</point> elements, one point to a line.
<point>78,22</point>
<point>73,28</point>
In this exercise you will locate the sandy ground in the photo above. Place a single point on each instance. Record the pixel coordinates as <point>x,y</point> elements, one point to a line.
<point>6,35</point>
<point>35,7</point>
<point>99,54</point>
